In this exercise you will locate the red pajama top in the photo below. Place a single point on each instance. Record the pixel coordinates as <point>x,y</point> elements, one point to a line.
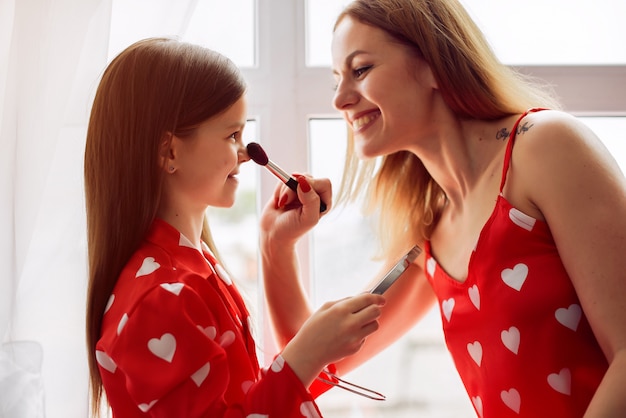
<point>176,342</point>
<point>515,328</point>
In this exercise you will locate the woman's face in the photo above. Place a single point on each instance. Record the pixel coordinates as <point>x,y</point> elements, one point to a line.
<point>384,91</point>
<point>207,163</point>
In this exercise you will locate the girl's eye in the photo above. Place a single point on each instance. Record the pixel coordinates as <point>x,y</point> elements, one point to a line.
<point>234,136</point>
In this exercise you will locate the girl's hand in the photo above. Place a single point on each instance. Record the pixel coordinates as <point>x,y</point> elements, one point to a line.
<point>288,215</point>
<point>337,330</point>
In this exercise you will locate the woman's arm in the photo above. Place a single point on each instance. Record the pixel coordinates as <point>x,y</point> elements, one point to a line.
<point>406,301</point>
<point>571,179</point>
<point>282,225</point>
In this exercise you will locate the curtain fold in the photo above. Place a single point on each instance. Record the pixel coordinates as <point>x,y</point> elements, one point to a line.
<point>51,52</point>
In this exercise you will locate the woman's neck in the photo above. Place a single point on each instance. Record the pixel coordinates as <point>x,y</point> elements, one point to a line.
<point>465,153</point>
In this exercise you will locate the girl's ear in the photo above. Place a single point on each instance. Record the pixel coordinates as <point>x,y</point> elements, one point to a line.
<point>166,153</point>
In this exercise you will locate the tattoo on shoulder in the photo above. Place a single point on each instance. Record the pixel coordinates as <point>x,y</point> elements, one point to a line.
<point>504,133</point>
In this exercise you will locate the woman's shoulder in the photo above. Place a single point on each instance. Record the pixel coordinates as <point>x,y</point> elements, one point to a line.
<point>552,128</point>
<point>556,154</point>
<point>553,140</point>
<point>553,150</point>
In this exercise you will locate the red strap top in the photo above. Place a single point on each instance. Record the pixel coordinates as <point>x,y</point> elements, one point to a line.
<point>515,327</point>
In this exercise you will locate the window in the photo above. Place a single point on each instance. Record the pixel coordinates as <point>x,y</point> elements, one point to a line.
<point>227,27</point>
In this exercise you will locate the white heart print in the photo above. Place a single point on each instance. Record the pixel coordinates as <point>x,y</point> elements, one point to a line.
<point>201,374</point>
<point>145,407</point>
<point>511,399</point>
<point>474,296</point>
<point>278,364</point>
<point>475,351</point>
<point>109,303</point>
<point>223,275</point>
<point>431,265</point>
<point>511,338</point>
<point>174,288</point>
<point>516,276</point>
<point>246,385</point>
<point>478,405</point>
<point>569,317</point>
<point>105,361</point>
<point>148,266</point>
<point>307,409</point>
<point>122,323</point>
<point>227,338</point>
<point>561,382</point>
<point>447,306</point>
<point>209,331</point>
<point>163,347</point>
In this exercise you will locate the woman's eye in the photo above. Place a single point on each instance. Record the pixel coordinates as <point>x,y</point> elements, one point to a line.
<point>358,72</point>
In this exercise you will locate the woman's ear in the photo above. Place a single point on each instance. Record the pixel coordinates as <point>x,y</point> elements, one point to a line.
<point>423,71</point>
<point>426,76</point>
<point>166,153</point>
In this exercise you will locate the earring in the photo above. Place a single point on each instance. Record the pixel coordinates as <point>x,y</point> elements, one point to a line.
<point>172,169</point>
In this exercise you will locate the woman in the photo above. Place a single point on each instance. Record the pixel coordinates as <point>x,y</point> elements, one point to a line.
<point>167,329</point>
<point>519,211</point>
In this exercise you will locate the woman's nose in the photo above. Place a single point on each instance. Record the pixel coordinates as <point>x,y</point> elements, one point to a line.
<point>344,96</point>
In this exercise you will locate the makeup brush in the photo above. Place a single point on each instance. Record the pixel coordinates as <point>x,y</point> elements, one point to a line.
<point>258,155</point>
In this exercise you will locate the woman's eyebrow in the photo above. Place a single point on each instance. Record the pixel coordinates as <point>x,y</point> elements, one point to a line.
<point>350,58</point>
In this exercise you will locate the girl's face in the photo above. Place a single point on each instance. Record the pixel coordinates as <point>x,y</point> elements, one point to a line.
<point>384,91</point>
<point>207,163</point>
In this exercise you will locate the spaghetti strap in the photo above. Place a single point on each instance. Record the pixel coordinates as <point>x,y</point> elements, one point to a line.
<point>509,146</point>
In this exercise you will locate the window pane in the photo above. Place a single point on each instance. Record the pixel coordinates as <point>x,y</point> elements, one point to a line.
<point>611,132</point>
<point>416,373</point>
<point>227,27</point>
<point>235,231</point>
<point>336,255</point>
<point>320,17</point>
<point>554,32</point>
<point>532,32</point>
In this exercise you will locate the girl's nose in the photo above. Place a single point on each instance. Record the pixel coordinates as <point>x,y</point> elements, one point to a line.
<point>242,152</point>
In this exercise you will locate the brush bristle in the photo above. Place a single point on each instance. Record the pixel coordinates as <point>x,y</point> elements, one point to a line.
<point>257,154</point>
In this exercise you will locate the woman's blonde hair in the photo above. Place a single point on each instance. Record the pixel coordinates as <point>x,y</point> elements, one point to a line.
<point>155,87</point>
<point>473,83</point>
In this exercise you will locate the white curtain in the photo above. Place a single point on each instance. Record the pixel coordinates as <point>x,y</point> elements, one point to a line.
<point>52,53</point>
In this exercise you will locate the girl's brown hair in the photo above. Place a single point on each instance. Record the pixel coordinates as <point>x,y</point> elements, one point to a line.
<point>472,82</point>
<point>153,88</point>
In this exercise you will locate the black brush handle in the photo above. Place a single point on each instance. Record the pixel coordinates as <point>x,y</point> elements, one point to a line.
<point>293,185</point>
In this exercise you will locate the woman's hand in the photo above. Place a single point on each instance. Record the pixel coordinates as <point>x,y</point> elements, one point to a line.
<point>337,330</point>
<point>289,215</point>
